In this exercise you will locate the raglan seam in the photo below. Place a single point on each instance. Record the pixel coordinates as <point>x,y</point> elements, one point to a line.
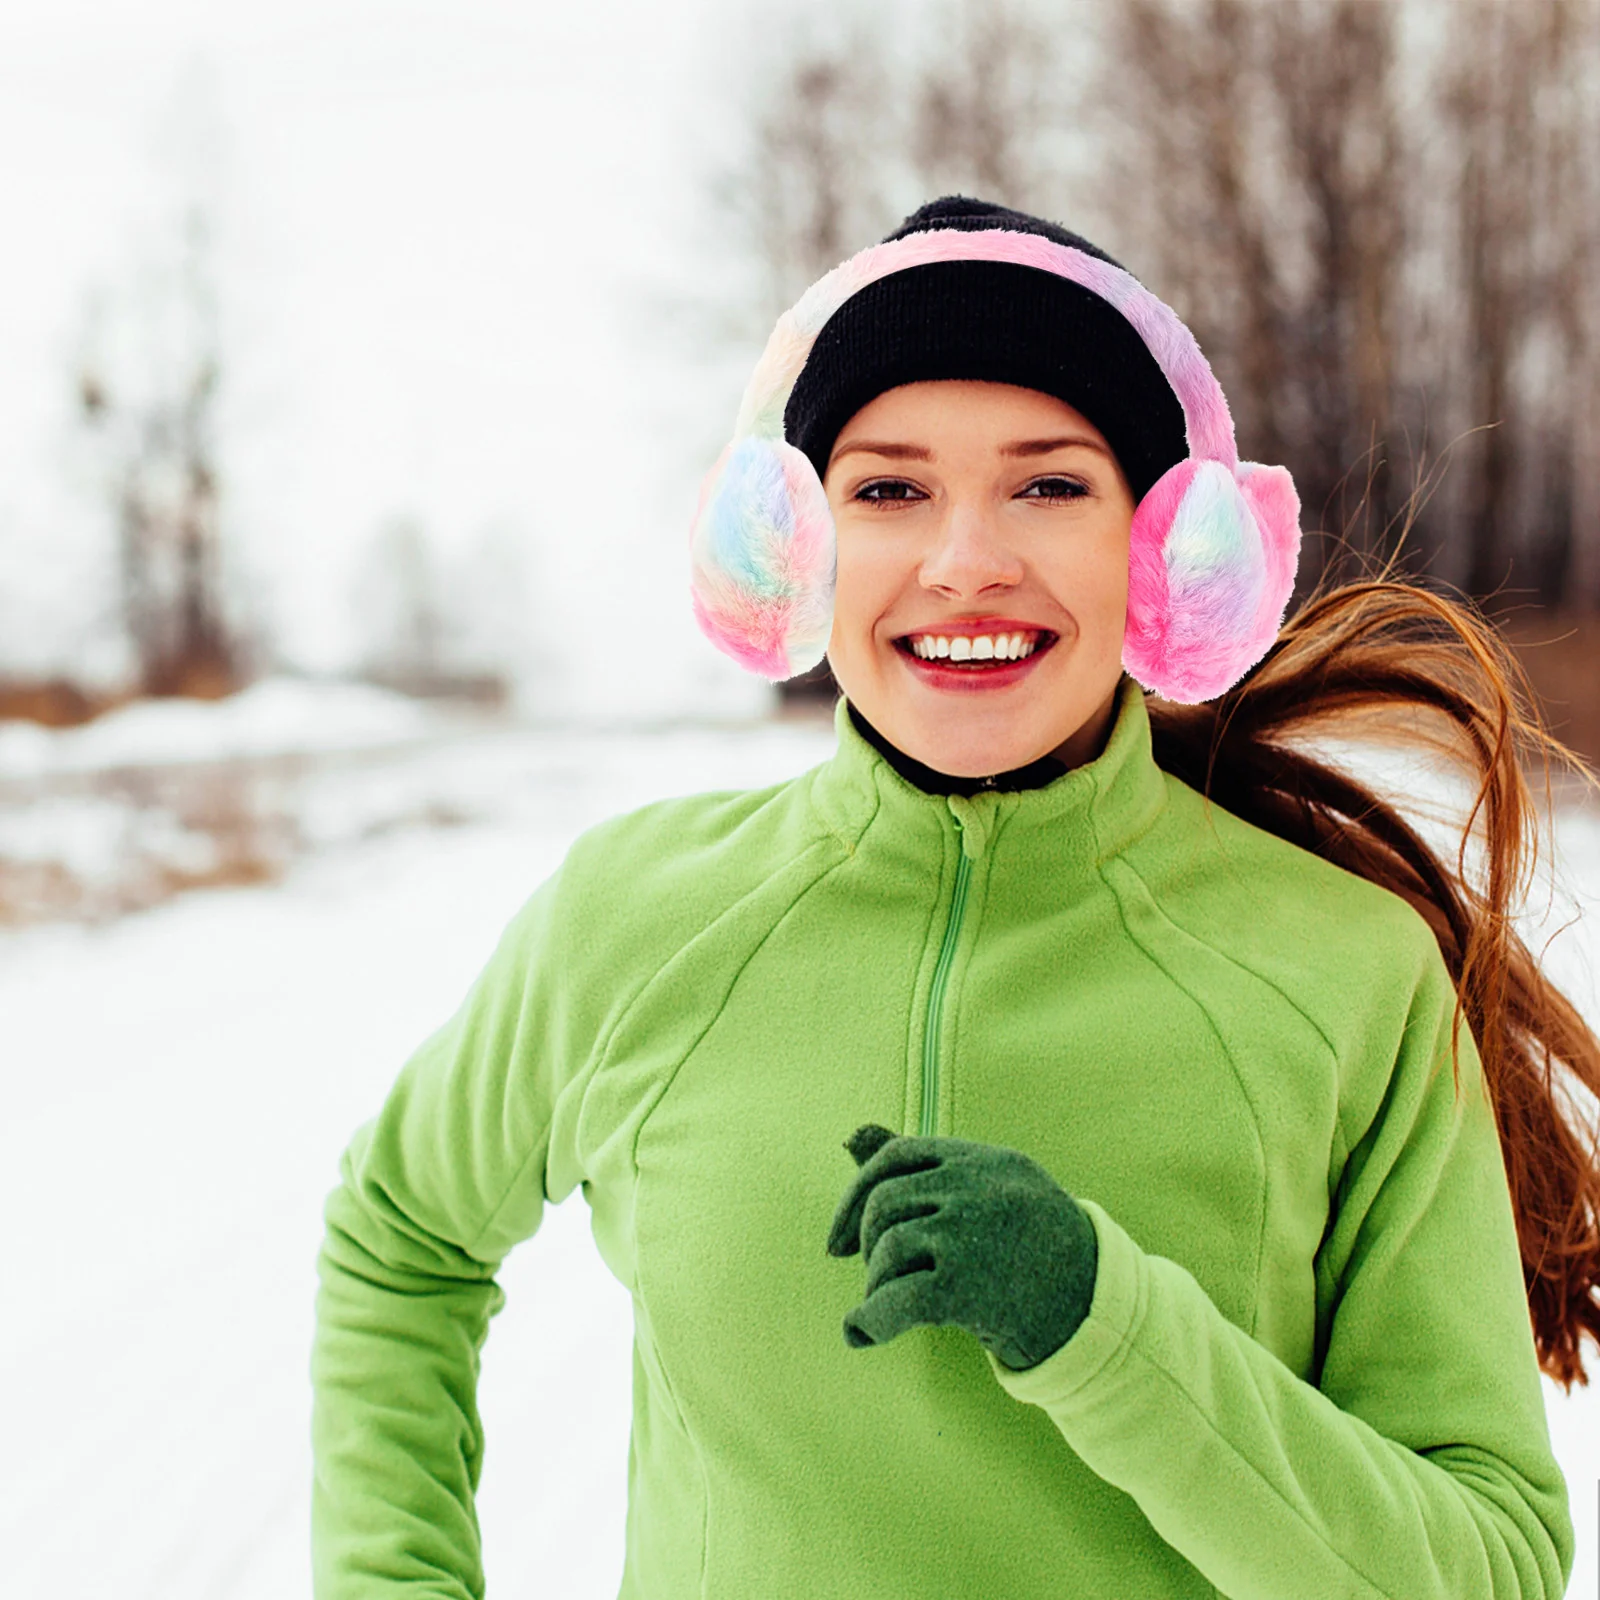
<point>1145,1358</point>
<point>1261,977</point>
<point>750,956</point>
<point>595,1062</point>
<point>633,1161</point>
<point>1239,1078</point>
<point>1288,999</point>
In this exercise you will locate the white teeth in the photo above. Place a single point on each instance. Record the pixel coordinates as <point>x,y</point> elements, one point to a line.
<point>966,647</point>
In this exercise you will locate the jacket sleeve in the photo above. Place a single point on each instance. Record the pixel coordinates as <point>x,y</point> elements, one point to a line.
<point>1419,1467</point>
<point>434,1192</point>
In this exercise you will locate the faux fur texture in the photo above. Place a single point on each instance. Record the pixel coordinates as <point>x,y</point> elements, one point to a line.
<point>1215,541</point>
<point>762,555</point>
<point>1211,563</point>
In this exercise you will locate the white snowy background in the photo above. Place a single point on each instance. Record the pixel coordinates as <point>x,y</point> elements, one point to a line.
<point>456,240</point>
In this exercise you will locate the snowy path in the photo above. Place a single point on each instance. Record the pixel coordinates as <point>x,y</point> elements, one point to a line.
<point>178,1087</point>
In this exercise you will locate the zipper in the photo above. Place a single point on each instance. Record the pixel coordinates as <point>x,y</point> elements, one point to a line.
<point>971,841</point>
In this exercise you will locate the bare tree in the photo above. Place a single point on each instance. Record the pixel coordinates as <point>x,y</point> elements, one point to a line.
<point>811,192</point>
<point>1344,147</point>
<point>867,120</point>
<point>981,109</point>
<point>158,429</point>
<point>150,386</point>
<point>431,626</point>
<point>1515,84</point>
<point>396,603</point>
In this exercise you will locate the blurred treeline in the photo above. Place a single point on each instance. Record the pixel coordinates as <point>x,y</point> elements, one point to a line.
<point>1378,216</point>
<point>172,606</point>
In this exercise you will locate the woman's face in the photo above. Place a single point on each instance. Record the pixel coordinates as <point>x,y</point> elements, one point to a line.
<point>969,514</point>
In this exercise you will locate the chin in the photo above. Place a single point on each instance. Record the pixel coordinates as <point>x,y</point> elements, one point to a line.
<point>974,757</point>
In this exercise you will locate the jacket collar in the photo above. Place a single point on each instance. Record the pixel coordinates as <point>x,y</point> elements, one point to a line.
<point>1080,817</point>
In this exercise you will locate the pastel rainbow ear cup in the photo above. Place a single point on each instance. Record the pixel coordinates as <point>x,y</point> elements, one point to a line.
<point>1210,570</point>
<point>762,558</point>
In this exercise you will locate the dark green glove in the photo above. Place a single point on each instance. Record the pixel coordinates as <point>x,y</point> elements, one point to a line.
<point>956,1232</point>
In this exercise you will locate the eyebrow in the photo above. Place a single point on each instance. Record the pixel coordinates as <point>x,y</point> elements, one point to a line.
<point>895,452</point>
<point>916,452</point>
<point>1043,447</point>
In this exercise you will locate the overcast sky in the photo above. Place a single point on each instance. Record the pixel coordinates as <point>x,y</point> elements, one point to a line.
<point>450,240</point>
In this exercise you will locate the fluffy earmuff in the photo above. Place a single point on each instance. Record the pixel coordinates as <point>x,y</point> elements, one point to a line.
<point>1214,543</point>
<point>1211,562</point>
<point>762,555</point>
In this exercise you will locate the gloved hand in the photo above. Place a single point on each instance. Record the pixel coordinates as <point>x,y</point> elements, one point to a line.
<point>957,1232</point>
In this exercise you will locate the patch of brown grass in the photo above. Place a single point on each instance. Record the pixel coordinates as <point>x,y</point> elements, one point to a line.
<point>55,702</point>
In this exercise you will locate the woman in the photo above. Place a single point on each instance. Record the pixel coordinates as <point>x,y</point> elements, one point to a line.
<point>1168,1260</point>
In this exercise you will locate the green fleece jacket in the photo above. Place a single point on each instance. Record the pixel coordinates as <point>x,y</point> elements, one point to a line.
<point>1307,1371</point>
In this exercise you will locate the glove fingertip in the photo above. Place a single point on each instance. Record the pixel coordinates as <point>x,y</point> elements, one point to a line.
<point>867,1141</point>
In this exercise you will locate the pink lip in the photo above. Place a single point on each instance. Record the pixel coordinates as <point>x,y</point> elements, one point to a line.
<point>973,626</point>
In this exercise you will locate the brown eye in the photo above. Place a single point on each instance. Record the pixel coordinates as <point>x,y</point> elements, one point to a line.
<point>1054,489</point>
<point>886,489</point>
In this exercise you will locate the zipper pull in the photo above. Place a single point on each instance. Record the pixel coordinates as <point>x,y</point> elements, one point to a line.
<point>972,816</point>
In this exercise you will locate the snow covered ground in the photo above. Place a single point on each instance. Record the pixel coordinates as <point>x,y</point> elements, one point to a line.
<point>178,1087</point>
<point>159,796</point>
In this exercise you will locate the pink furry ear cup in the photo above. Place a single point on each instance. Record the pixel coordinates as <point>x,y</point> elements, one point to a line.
<point>1271,495</point>
<point>762,558</point>
<point>1210,569</point>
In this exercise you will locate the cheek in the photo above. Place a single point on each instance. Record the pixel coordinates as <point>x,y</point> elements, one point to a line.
<point>1089,576</point>
<point>868,577</point>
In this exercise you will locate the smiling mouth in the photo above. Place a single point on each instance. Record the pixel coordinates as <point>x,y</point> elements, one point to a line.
<point>976,653</point>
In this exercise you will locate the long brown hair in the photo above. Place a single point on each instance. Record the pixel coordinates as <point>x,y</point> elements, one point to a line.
<point>1362,659</point>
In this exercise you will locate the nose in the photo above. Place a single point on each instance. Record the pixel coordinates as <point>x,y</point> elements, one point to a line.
<point>969,555</point>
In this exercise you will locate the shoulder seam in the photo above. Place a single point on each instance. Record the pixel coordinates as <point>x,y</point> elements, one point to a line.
<point>711,1021</point>
<point>1211,1021</point>
<point>1261,977</point>
<point>603,1044</point>
<point>595,1060</point>
<point>1233,960</point>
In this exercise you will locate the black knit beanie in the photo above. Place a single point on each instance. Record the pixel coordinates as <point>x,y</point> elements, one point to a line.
<point>996,321</point>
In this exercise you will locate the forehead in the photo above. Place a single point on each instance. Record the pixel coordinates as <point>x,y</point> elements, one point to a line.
<point>965,407</point>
